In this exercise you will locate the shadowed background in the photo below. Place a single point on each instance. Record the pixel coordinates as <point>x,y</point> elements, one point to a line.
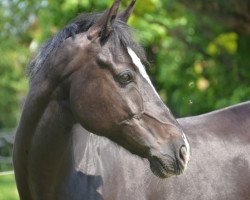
<point>198,50</point>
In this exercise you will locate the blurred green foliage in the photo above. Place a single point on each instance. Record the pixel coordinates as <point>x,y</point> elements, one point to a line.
<point>197,63</point>
<point>8,189</point>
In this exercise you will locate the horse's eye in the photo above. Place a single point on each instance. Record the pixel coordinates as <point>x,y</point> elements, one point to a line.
<point>125,77</point>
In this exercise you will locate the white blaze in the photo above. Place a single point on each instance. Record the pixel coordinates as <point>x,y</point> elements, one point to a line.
<point>137,61</point>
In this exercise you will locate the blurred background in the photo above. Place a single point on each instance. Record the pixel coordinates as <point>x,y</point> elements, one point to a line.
<point>199,53</point>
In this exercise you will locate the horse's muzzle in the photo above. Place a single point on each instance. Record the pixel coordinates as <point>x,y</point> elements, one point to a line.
<point>166,165</point>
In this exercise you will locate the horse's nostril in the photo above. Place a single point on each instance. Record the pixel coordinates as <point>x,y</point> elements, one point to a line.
<point>183,154</point>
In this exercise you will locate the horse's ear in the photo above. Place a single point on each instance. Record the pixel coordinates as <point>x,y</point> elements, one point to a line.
<point>103,27</point>
<point>124,16</point>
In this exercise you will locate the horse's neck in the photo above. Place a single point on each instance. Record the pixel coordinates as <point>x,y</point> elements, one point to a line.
<point>53,132</point>
<point>50,150</point>
<point>36,102</point>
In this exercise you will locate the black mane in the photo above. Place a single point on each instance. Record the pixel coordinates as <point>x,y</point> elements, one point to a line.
<point>121,35</point>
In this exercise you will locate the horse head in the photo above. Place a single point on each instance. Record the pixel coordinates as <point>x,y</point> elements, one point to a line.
<point>110,94</point>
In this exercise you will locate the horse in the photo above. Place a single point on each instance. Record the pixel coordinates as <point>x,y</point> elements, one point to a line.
<point>93,126</point>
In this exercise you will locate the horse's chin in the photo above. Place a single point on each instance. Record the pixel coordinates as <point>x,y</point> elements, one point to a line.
<point>161,169</point>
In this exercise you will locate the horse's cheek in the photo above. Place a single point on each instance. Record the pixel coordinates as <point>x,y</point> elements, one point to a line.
<point>87,106</point>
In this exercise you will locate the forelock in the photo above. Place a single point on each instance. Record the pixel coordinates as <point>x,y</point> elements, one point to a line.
<point>121,36</point>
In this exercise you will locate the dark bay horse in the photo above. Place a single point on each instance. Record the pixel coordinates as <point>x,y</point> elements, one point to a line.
<point>93,126</point>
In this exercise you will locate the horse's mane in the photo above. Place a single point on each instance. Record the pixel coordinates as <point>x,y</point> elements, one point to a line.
<point>120,36</point>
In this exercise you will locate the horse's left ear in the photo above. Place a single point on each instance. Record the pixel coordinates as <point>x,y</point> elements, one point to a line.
<point>124,16</point>
<point>103,27</point>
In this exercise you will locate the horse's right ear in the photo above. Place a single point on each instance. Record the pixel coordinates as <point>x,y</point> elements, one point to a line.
<point>103,27</point>
<point>124,15</point>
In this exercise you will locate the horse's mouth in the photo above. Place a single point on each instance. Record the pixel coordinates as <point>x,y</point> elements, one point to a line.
<point>164,169</point>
